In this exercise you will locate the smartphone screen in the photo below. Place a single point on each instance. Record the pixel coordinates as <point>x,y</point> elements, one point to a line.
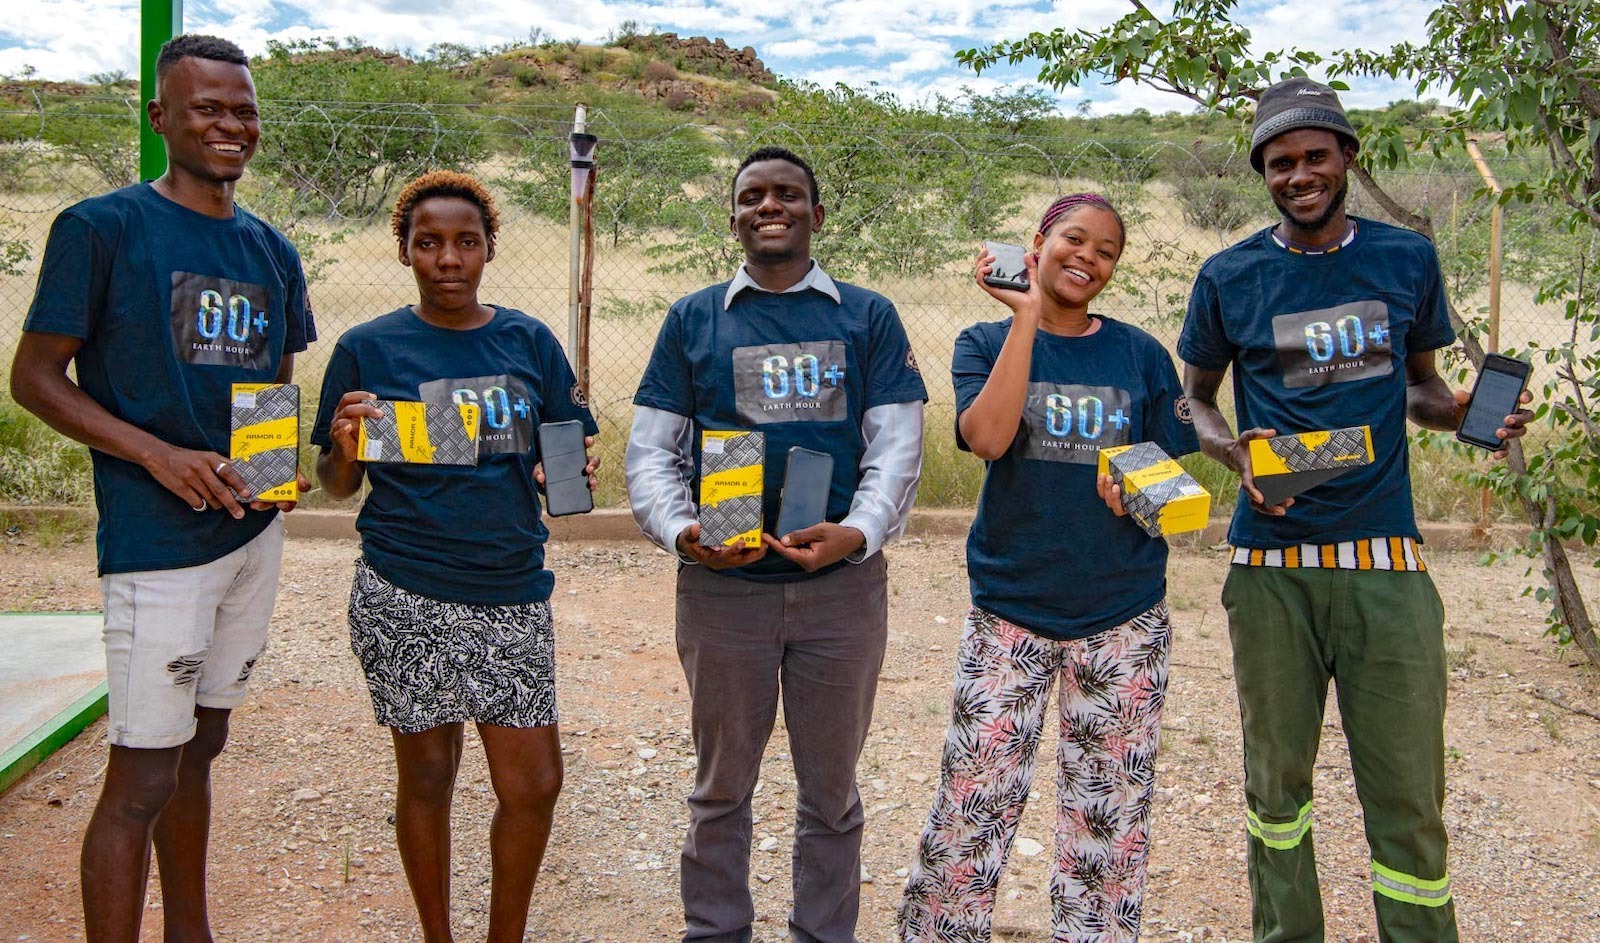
<point>561,451</point>
<point>807,480</point>
<point>1007,270</point>
<point>1493,399</point>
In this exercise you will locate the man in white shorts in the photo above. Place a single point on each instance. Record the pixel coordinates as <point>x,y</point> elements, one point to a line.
<point>161,296</point>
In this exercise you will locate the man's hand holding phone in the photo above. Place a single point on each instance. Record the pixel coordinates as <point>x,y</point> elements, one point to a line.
<point>1486,416</point>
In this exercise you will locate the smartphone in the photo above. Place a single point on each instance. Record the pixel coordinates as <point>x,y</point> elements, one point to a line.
<point>566,487</point>
<point>1008,270</point>
<point>1496,395</point>
<point>807,479</point>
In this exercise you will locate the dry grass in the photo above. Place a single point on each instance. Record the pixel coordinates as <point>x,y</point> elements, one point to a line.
<point>365,279</point>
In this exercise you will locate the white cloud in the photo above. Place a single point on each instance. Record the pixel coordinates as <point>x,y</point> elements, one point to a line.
<point>70,39</point>
<point>800,49</point>
<point>907,48</point>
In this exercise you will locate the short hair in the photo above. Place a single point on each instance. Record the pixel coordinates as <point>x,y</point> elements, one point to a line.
<point>448,183</point>
<point>777,153</point>
<point>1073,201</point>
<point>197,46</point>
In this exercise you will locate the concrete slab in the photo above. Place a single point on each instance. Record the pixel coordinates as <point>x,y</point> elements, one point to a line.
<point>52,684</point>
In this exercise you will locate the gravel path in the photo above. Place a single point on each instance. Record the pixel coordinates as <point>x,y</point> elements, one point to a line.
<point>302,848</point>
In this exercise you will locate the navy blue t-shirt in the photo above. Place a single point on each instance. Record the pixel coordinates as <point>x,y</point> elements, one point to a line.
<point>799,367</point>
<point>173,307</point>
<point>1320,342</point>
<point>459,533</point>
<point>1045,552</point>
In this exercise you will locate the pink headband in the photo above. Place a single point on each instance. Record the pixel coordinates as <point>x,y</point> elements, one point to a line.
<point>1071,201</point>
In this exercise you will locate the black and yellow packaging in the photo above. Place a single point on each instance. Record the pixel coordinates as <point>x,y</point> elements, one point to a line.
<point>1287,465</point>
<point>265,441</point>
<point>731,480</point>
<point>1156,491</point>
<point>420,433</point>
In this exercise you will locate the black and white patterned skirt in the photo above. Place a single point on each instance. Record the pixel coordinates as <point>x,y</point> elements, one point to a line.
<point>430,662</point>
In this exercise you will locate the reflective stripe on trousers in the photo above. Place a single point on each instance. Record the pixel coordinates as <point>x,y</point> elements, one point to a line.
<point>1409,889</point>
<point>1280,835</point>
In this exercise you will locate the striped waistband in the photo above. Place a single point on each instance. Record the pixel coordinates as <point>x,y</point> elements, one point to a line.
<point>1369,553</point>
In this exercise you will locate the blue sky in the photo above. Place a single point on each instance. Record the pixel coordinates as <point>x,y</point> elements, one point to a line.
<point>907,48</point>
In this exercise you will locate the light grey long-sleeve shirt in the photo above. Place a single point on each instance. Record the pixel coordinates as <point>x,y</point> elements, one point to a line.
<point>660,457</point>
<point>660,462</point>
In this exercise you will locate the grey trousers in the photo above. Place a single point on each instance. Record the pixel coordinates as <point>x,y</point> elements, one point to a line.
<point>819,642</point>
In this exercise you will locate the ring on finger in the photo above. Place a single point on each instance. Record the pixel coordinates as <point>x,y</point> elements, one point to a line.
<point>220,467</point>
<point>202,506</point>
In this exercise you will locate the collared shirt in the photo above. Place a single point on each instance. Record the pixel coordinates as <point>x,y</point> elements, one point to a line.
<point>698,378</point>
<point>816,280</point>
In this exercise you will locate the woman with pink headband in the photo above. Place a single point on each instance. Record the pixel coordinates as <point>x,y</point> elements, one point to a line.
<point>1063,587</point>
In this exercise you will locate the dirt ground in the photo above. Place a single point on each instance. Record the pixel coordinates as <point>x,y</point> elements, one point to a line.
<point>302,848</point>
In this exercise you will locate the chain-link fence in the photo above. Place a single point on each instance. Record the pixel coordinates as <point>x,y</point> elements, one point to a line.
<point>906,212</point>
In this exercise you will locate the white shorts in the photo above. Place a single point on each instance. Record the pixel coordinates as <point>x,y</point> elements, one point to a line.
<point>186,638</point>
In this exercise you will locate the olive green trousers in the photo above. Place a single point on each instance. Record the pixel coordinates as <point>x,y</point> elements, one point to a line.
<point>1379,636</point>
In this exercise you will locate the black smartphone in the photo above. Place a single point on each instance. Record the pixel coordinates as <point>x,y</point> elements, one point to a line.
<point>1008,270</point>
<point>1496,395</point>
<point>807,479</point>
<point>566,487</point>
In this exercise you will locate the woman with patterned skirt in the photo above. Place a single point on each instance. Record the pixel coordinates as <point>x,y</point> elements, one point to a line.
<point>450,611</point>
<point>1064,589</point>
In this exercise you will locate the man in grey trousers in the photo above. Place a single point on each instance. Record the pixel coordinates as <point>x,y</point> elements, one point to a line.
<point>815,364</point>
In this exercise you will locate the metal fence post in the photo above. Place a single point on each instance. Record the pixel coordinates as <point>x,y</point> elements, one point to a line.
<point>159,21</point>
<point>582,147</point>
<point>1496,232</point>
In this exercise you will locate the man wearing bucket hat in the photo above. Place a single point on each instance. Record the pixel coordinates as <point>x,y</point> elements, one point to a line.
<point>1330,321</point>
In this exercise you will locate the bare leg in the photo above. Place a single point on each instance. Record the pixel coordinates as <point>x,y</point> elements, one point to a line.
<point>116,847</point>
<point>428,762</point>
<point>182,830</point>
<point>525,767</point>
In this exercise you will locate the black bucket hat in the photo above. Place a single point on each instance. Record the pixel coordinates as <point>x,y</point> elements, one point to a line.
<point>1294,104</point>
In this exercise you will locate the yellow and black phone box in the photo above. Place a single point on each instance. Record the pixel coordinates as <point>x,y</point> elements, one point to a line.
<point>731,481</point>
<point>265,442</point>
<point>1287,465</point>
<point>1156,491</point>
<point>420,433</point>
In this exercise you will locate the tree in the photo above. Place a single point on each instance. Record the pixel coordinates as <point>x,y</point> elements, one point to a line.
<point>349,126</point>
<point>1526,71</point>
<point>904,195</point>
<point>1011,109</point>
<point>645,182</point>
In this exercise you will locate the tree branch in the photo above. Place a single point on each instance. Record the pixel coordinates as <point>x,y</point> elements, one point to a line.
<point>1555,697</point>
<point>1559,154</point>
<point>1420,223</point>
<point>1587,93</point>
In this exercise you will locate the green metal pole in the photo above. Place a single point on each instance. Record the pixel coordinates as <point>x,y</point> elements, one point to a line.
<point>159,21</point>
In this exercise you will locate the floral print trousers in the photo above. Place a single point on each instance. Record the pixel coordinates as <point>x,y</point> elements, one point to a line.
<point>1113,685</point>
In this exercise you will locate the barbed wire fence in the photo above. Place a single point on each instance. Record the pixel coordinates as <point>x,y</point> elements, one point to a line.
<point>906,211</point>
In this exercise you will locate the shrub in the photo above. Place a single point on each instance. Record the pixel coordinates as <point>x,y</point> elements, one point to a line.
<point>1222,203</point>
<point>38,465</point>
<point>657,71</point>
